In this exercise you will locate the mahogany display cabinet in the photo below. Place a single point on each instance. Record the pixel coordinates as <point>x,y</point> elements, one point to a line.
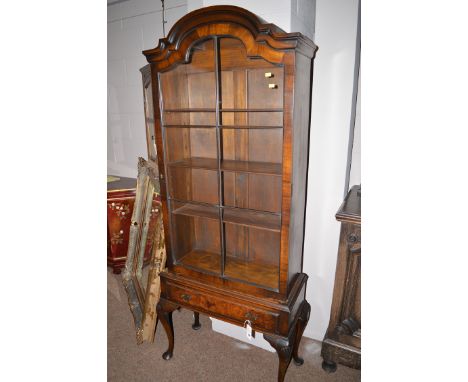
<point>231,101</point>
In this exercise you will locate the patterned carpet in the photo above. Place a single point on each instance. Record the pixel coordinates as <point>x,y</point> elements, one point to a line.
<point>199,356</point>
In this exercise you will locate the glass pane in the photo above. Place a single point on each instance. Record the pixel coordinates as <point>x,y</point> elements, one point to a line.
<point>264,145</point>
<point>189,126</point>
<point>193,184</point>
<point>252,191</point>
<point>191,87</point>
<point>251,89</point>
<point>252,148</point>
<point>149,121</point>
<point>249,138</point>
<point>196,236</point>
<point>189,118</point>
<point>185,143</point>
<point>252,255</point>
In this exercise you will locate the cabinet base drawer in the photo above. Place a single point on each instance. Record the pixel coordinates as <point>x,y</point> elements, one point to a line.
<point>220,307</point>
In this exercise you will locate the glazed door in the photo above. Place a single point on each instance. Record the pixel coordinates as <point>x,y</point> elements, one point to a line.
<point>222,122</point>
<point>149,113</point>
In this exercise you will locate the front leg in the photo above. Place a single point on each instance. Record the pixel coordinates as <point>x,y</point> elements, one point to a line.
<point>304,314</point>
<point>284,349</point>
<point>164,310</point>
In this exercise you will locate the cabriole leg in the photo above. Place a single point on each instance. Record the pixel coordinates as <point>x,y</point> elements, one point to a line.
<point>164,310</point>
<point>284,349</point>
<point>302,320</point>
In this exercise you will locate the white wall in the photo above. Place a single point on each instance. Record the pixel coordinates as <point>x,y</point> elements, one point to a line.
<point>277,11</point>
<point>132,26</point>
<point>303,17</point>
<point>355,173</point>
<point>335,35</point>
<point>283,13</point>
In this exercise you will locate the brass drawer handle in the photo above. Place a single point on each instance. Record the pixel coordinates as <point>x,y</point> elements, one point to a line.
<point>186,297</point>
<point>251,316</point>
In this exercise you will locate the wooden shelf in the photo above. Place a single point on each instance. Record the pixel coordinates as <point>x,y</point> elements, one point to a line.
<point>260,274</point>
<point>252,167</point>
<point>249,218</point>
<point>197,210</point>
<point>206,261</point>
<point>256,273</point>
<point>262,168</point>
<point>238,216</point>
<point>205,163</point>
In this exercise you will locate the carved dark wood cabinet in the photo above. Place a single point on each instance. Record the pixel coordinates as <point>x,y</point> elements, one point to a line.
<point>342,343</point>
<point>231,101</point>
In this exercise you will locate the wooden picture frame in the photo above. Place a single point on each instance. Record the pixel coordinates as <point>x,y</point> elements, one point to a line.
<point>144,295</point>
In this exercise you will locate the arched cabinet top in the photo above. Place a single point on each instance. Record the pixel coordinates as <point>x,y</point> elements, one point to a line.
<point>260,39</point>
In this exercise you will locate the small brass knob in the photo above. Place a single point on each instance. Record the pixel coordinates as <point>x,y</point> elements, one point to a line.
<point>268,75</point>
<point>272,86</point>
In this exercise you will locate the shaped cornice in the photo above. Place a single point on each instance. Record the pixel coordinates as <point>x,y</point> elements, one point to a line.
<point>260,38</point>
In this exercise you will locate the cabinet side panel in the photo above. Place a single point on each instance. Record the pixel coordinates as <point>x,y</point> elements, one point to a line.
<point>161,160</point>
<point>300,149</point>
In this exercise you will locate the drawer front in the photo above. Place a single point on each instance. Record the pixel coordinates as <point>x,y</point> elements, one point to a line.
<point>225,308</point>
